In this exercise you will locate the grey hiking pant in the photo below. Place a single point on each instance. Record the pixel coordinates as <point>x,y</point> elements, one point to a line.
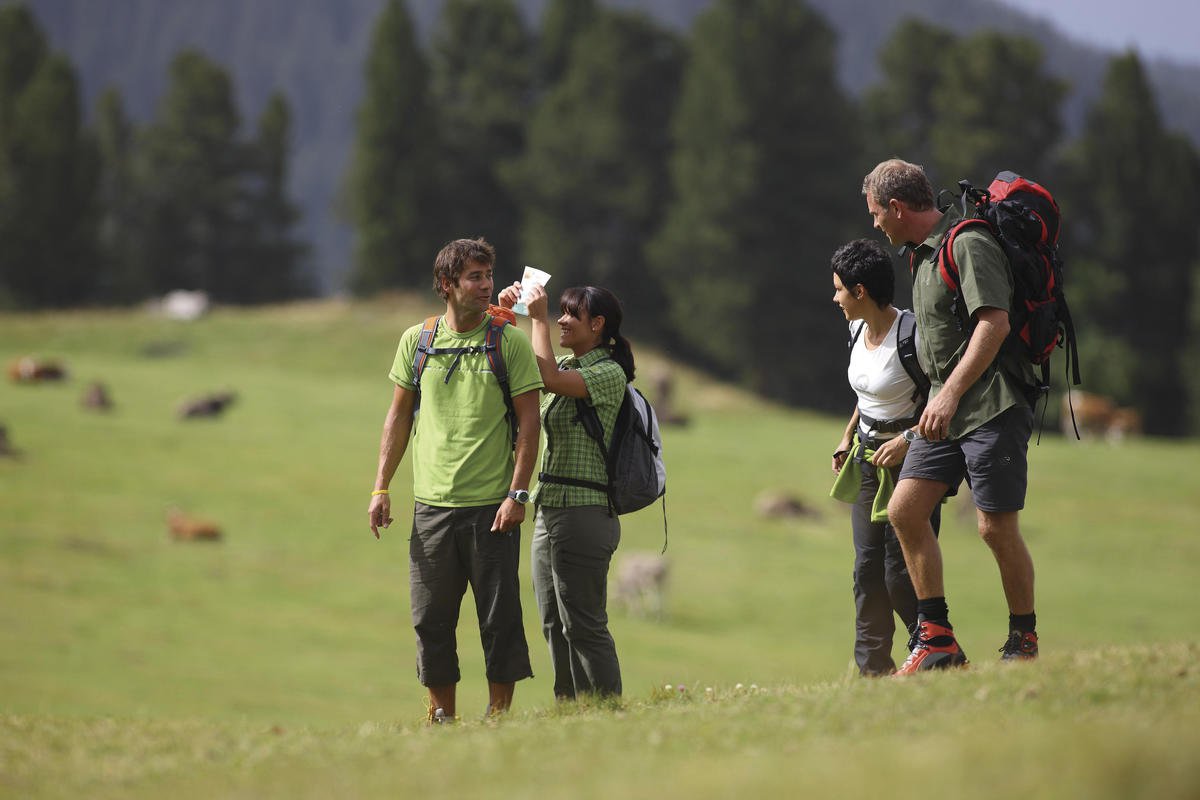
<point>572,549</point>
<point>882,586</point>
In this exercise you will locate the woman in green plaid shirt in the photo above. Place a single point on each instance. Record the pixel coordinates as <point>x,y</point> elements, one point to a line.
<point>575,532</point>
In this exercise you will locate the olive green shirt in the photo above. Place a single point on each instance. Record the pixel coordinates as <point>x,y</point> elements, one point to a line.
<point>945,330</point>
<point>567,450</point>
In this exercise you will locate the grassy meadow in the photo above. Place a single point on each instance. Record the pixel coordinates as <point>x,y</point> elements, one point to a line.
<point>279,662</point>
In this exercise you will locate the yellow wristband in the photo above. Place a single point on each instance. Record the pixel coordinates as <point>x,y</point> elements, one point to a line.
<point>379,491</point>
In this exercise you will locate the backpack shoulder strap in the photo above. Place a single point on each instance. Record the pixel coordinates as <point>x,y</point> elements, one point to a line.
<point>947,266</point>
<point>855,333</point>
<point>424,345</point>
<point>906,349</point>
<point>492,343</point>
<point>589,417</point>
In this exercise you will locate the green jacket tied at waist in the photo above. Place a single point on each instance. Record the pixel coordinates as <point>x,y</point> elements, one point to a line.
<point>849,480</point>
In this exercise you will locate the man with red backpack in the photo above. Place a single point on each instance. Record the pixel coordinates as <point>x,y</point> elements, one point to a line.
<point>979,417</point>
<point>466,395</point>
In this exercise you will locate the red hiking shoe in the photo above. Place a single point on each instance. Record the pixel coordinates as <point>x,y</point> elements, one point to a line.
<point>1020,647</point>
<point>934,647</point>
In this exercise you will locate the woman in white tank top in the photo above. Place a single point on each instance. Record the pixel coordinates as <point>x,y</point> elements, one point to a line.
<point>889,402</point>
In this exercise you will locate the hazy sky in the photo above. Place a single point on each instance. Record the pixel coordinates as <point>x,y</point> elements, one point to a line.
<point>1168,28</point>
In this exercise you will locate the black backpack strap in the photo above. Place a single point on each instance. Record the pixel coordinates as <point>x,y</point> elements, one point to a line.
<point>421,353</point>
<point>492,342</point>
<point>587,416</point>
<point>906,349</point>
<point>546,477</point>
<point>855,333</point>
<point>491,348</point>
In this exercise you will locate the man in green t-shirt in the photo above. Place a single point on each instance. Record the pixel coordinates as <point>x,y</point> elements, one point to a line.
<point>977,422</point>
<point>470,482</point>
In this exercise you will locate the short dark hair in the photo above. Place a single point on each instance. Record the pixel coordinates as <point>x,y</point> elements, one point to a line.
<point>453,259</point>
<point>865,263</point>
<point>896,179</point>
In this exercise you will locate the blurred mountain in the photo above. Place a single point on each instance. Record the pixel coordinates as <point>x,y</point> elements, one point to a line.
<point>313,51</point>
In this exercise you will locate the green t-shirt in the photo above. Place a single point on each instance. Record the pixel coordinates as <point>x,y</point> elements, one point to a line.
<point>986,283</point>
<point>461,442</point>
<point>567,450</point>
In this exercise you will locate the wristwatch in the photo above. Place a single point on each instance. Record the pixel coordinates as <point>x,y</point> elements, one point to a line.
<point>520,495</point>
<point>910,435</point>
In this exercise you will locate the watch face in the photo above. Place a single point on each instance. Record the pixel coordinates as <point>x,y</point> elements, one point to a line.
<point>520,495</point>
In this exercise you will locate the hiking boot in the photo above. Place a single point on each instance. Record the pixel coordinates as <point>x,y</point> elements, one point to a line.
<point>933,646</point>
<point>437,716</point>
<point>1021,646</point>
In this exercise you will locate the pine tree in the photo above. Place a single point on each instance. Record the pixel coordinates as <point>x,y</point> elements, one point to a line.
<point>898,114</point>
<point>1135,193</point>
<point>965,108</point>
<point>562,23</point>
<point>766,174</point>
<point>23,48</point>
<point>277,256</point>
<point>117,202</point>
<point>392,192</point>
<point>47,174</point>
<point>193,234</point>
<point>481,68</point>
<point>594,182</point>
<point>995,108</point>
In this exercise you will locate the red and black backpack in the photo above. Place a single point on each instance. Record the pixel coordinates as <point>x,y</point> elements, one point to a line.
<point>1024,219</point>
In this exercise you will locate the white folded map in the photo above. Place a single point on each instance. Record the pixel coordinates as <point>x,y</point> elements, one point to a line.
<point>532,277</point>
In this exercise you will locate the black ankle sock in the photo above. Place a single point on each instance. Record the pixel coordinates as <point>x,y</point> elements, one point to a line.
<point>934,609</point>
<point>1025,623</point>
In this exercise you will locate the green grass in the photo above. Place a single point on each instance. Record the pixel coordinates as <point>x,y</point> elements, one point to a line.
<point>280,661</point>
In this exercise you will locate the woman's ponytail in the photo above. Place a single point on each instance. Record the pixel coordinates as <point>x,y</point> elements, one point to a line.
<point>622,353</point>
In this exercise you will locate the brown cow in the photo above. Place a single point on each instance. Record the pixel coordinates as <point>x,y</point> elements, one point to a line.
<point>183,528</point>
<point>1099,417</point>
<point>28,369</point>
<point>96,397</point>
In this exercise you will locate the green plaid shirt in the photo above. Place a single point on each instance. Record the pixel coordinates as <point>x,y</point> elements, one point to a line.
<point>567,450</point>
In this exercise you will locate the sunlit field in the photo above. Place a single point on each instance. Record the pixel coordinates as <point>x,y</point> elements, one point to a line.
<point>279,661</point>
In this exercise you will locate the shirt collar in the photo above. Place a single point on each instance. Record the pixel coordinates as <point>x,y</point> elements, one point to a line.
<point>934,239</point>
<point>589,358</point>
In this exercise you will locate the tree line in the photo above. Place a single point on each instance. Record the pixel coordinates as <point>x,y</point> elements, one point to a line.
<point>706,178</point>
<point>112,213</point>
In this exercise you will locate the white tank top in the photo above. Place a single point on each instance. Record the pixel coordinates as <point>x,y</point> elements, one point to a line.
<point>884,389</point>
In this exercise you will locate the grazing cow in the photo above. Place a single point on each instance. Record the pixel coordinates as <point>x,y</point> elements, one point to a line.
<point>209,405</point>
<point>642,584</point>
<point>780,504</point>
<point>183,528</point>
<point>96,397</point>
<point>1099,417</point>
<point>664,406</point>
<point>28,369</point>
